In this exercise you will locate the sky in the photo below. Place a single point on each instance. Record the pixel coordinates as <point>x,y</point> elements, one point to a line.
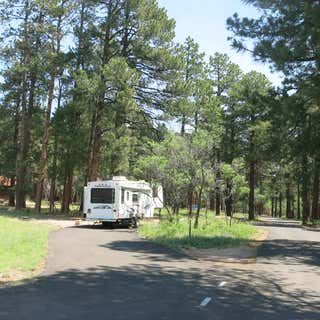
<point>205,22</point>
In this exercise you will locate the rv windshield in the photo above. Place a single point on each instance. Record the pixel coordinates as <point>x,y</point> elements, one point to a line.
<point>102,195</point>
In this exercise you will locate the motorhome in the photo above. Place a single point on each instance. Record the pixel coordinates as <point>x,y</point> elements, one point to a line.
<point>120,201</point>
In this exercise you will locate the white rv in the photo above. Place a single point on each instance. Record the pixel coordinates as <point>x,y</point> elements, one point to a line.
<point>120,201</point>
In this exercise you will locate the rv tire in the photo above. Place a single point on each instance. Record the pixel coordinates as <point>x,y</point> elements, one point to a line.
<point>134,222</point>
<point>107,224</point>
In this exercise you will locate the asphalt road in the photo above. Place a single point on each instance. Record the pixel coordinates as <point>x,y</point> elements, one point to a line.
<point>94,273</point>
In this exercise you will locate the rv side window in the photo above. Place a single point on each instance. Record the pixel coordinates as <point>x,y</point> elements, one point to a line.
<point>122,195</point>
<point>135,198</point>
<point>102,195</point>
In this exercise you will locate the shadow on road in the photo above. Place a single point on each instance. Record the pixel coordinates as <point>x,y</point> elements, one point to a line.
<point>294,252</point>
<point>279,224</point>
<point>101,227</point>
<point>154,251</point>
<point>151,292</point>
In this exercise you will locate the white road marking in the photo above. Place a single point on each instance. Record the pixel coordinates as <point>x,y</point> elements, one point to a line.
<point>205,301</point>
<point>222,284</point>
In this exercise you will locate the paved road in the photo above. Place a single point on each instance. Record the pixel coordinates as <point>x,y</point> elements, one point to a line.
<point>93,273</point>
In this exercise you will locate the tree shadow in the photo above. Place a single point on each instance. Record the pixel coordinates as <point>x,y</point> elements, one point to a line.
<point>291,251</point>
<point>153,292</point>
<point>279,224</point>
<point>155,251</point>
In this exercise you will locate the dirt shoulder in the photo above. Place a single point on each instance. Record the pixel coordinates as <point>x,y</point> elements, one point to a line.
<point>241,254</point>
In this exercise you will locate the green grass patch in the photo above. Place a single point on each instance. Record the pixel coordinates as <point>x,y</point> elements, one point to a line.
<point>217,233</point>
<point>29,213</point>
<point>183,212</point>
<point>313,223</point>
<point>23,244</point>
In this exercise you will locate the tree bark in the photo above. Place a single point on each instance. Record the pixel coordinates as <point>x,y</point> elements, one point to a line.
<point>252,172</point>
<point>298,203</point>
<point>229,199</point>
<point>21,183</point>
<point>305,191</point>
<point>196,222</point>
<point>45,139</point>
<point>217,193</point>
<point>252,189</point>
<point>52,194</point>
<point>97,137</point>
<point>212,200</point>
<point>315,191</point>
<point>44,148</point>
<point>27,109</point>
<point>67,192</point>
<point>280,204</point>
<point>12,201</point>
<point>289,213</point>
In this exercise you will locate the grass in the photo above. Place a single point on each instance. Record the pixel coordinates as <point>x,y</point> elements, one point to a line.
<point>216,234</point>
<point>314,223</point>
<point>29,213</point>
<point>210,213</point>
<point>23,245</point>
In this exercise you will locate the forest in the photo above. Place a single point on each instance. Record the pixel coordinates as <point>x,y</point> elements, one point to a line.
<point>92,89</point>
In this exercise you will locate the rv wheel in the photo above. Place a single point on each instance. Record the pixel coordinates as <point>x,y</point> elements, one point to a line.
<point>134,222</point>
<point>107,224</point>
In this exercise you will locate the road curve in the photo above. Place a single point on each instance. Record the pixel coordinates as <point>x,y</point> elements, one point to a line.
<point>95,273</point>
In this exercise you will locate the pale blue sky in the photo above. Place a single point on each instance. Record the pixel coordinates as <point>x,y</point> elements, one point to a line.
<point>205,21</point>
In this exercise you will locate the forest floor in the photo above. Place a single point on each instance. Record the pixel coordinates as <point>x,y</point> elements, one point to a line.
<point>96,273</point>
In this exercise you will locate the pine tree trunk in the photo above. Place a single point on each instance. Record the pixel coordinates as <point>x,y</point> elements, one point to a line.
<point>24,125</point>
<point>212,200</point>
<point>272,207</point>
<point>315,191</point>
<point>67,192</point>
<point>27,109</point>
<point>183,125</point>
<point>196,120</point>
<point>298,203</point>
<point>280,204</point>
<point>217,193</point>
<point>45,138</point>
<point>289,214</point>
<point>12,201</point>
<point>44,149</point>
<point>229,200</point>
<point>252,187</point>
<point>305,192</point>
<point>52,194</point>
<point>97,140</point>
<point>252,172</point>
<point>22,165</point>
<point>11,194</point>
<point>196,222</point>
<point>97,137</point>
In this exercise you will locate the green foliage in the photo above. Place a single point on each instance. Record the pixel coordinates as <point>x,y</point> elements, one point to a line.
<point>216,234</point>
<point>121,82</point>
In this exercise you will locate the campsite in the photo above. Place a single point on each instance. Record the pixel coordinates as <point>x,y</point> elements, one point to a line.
<point>159,159</point>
